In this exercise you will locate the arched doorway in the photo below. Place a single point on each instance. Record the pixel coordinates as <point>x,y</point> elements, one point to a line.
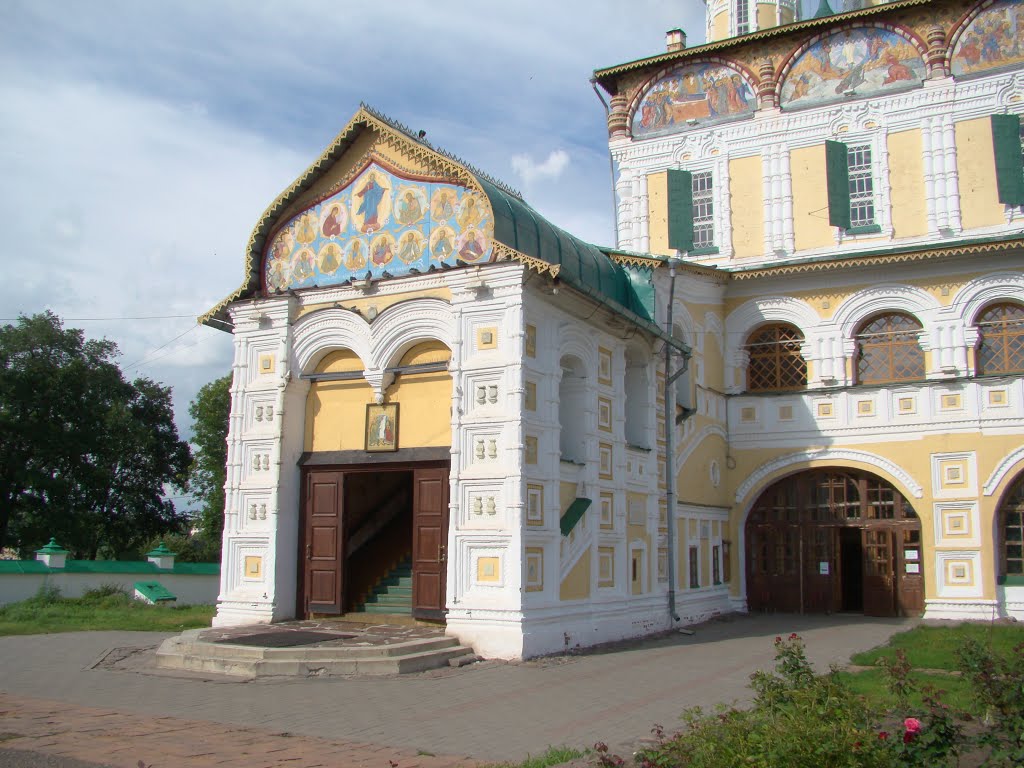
<point>829,540</point>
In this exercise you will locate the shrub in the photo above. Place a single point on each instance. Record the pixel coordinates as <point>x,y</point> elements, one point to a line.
<point>998,684</point>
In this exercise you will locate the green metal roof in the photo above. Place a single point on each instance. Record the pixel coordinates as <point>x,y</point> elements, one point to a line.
<point>581,264</point>
<point>108,566</point>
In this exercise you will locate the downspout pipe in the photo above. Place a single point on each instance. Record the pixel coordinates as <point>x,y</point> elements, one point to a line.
<point>670,428</point>
<point>611,163</point>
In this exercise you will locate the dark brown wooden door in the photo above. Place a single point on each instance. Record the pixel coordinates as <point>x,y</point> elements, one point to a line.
<point>879,572</point>
<point>429,542</point>
<point>323,544</point>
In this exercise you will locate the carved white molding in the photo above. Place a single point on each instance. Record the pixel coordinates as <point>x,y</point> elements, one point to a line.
<point>693,443</point>
<point>980,291</point>
<point>902,298</point>
<point>1001,470</point>
<point>876,462</point>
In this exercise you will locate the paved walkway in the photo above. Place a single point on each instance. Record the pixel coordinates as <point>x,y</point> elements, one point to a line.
<point>61,700</point>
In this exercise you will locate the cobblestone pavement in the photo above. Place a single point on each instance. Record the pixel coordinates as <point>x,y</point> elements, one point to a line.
<point>93,703</point>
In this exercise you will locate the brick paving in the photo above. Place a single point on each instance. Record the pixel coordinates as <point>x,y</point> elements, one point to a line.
<point>78,705</point>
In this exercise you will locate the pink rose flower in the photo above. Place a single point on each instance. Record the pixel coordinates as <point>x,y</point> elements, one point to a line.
<point>912,724</point>
<point>883,735</point>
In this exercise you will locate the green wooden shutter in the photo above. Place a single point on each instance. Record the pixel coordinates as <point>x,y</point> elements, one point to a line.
<point>680,210</point>
<point>1009,163</point>
<point>837,175</point>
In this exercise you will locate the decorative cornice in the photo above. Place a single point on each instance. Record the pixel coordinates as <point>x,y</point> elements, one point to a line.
<point>1000,471</point>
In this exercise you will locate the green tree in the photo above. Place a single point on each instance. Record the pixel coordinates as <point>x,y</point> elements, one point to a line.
<point>86,455</point>
<point>210,411</point>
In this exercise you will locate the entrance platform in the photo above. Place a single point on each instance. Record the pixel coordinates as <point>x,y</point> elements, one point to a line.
<point>318,648</point>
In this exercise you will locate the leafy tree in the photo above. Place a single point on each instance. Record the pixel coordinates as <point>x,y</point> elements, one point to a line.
<point>86,454</point>
<point>210,411</point>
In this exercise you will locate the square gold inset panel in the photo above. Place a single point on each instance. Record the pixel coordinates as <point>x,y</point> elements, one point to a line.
<point>530,450</point>
<point>253,567</point>
<point>486,338</point>
<point>906,405</point>
<point>825,410</point>
<point>662,516</point>
<point>606,566</point>
<point>604,366</point>
<point>748,414</point>
<point>530,396</point>
<point>951,402</point>
<point>534,504</point>
<point>865,407</point>
<point>997,397</point>
<point>662,564</point>
<point>604,414</point>
<point>785,413</point>
<point>266,363</point>
<point>530,341</point>
<point>956,522</point>
<point>952,473</point>
<point>607,509</point>
<point>604,467</point>
<point>488,569</point>
<point>959,572</point>
<point>534,569</point>
<point>660,391</point>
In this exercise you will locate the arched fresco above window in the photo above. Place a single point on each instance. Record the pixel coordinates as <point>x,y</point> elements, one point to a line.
<point>852,63</point>
<point>707,93</point>
<point>991,40</point>
<point>379,222</point>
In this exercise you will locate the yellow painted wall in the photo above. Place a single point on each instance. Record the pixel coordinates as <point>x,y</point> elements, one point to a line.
<point>906,178</point>
<point>340,361</point>
<point>720,26</point>
<point>657,212</point>
<point>576,584</point>
<point>766,16</point>
<point>976,165</point>
<point>810,198</point>
<point>639,533</point>
<point>566,496</point>
<point>424,413</point>
<point>693,484</point>
<point>747,223</point>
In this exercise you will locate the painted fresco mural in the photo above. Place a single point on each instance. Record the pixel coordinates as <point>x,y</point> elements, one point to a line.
<point>864,61</point>
<point>707,93</point>
<point>378,223</point>
<point>995,38</point>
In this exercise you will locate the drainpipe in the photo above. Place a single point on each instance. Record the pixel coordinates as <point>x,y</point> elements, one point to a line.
<point>670,428</point>
<point>611,163</point>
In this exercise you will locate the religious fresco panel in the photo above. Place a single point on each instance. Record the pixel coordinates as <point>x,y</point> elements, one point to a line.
<point>863,61</point>
<point>995,38</point>
<point>708,93</point>
<point>379,222</point>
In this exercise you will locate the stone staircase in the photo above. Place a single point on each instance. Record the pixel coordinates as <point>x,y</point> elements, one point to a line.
<point>393,593</point>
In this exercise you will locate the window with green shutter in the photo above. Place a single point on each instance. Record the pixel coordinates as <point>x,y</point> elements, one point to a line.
<point>837,175</point>
<point>680,210</point>
<point>1006,143</point>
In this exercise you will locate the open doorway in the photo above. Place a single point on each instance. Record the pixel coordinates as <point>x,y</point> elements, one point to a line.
<point>851,555</point>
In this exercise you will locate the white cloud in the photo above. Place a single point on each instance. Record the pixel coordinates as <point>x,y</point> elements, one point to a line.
<point>550,168</point>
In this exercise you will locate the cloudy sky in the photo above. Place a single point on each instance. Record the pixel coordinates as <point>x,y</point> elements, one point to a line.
<point>140,140</point>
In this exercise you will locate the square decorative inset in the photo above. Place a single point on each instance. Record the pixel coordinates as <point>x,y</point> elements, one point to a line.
<point>604,366</point>
<point>604,467</point>
<point>662,564</point>
<point>486,338</point>
<point>997,398</point>
<point>954,474</point>
<point>534,569</point>
<point>956,524</point>
<point>604,414</point>
<point>607,509</point>
<point>606,566</point>
<point>662,516</point>
<point>959,572</point>
<point>906,405</point>
<point>534,504</point>
<point>530,450</point>
<point>530,341</point>
<point>266,363</point>
<point>530,396</point>
<point>253,567</point>
<point>488,570</point>
<point>865,407</point>
<point>956,573</point>
<point>951,402</point>
<point>825,411</point>
<point>748,414</point>
<point>785,413</point>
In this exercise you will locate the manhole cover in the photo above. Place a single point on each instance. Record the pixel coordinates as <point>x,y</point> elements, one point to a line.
<point>284,639</point>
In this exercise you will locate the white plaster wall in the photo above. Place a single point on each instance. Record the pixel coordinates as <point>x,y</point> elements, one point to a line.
<point>189,589</point>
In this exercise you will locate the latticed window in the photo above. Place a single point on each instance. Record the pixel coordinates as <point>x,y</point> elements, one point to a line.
<point>888,350</point>
<point>1012,527</point>
<point>862,186</point>
<point>1001,349</point>
<point>775,359</point>
<point>703,211</point>
<point>742,17</point>
<point>833,497</point>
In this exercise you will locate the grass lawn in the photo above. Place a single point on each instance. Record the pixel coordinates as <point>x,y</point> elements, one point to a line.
<point>934,647</point>
<point>98,610</point>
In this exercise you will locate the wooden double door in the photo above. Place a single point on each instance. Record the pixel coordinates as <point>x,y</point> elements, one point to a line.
<point>324,561</point>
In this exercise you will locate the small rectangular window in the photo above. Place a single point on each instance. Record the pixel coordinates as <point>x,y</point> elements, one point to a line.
<point>703,211</point>
<point>862,186</point>
<point>716,565</point>
<point>694,569</point>
<point>726,564</point>
<point>742,17</point>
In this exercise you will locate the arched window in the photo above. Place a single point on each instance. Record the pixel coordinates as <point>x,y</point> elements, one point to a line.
<point>888,349</point>
<point>637,387</point>
<point>1011,528</point>
<point>1001,345</point>
<point>775,358</point>
<point>572,398</point>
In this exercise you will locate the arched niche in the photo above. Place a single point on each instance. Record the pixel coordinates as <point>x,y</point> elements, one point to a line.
<point>702,93</point>
<point>852,63</point>
<point>989,38</point>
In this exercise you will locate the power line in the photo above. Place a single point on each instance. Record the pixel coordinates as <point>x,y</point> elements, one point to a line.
<point>105,319</point>
<point>146,357</point>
